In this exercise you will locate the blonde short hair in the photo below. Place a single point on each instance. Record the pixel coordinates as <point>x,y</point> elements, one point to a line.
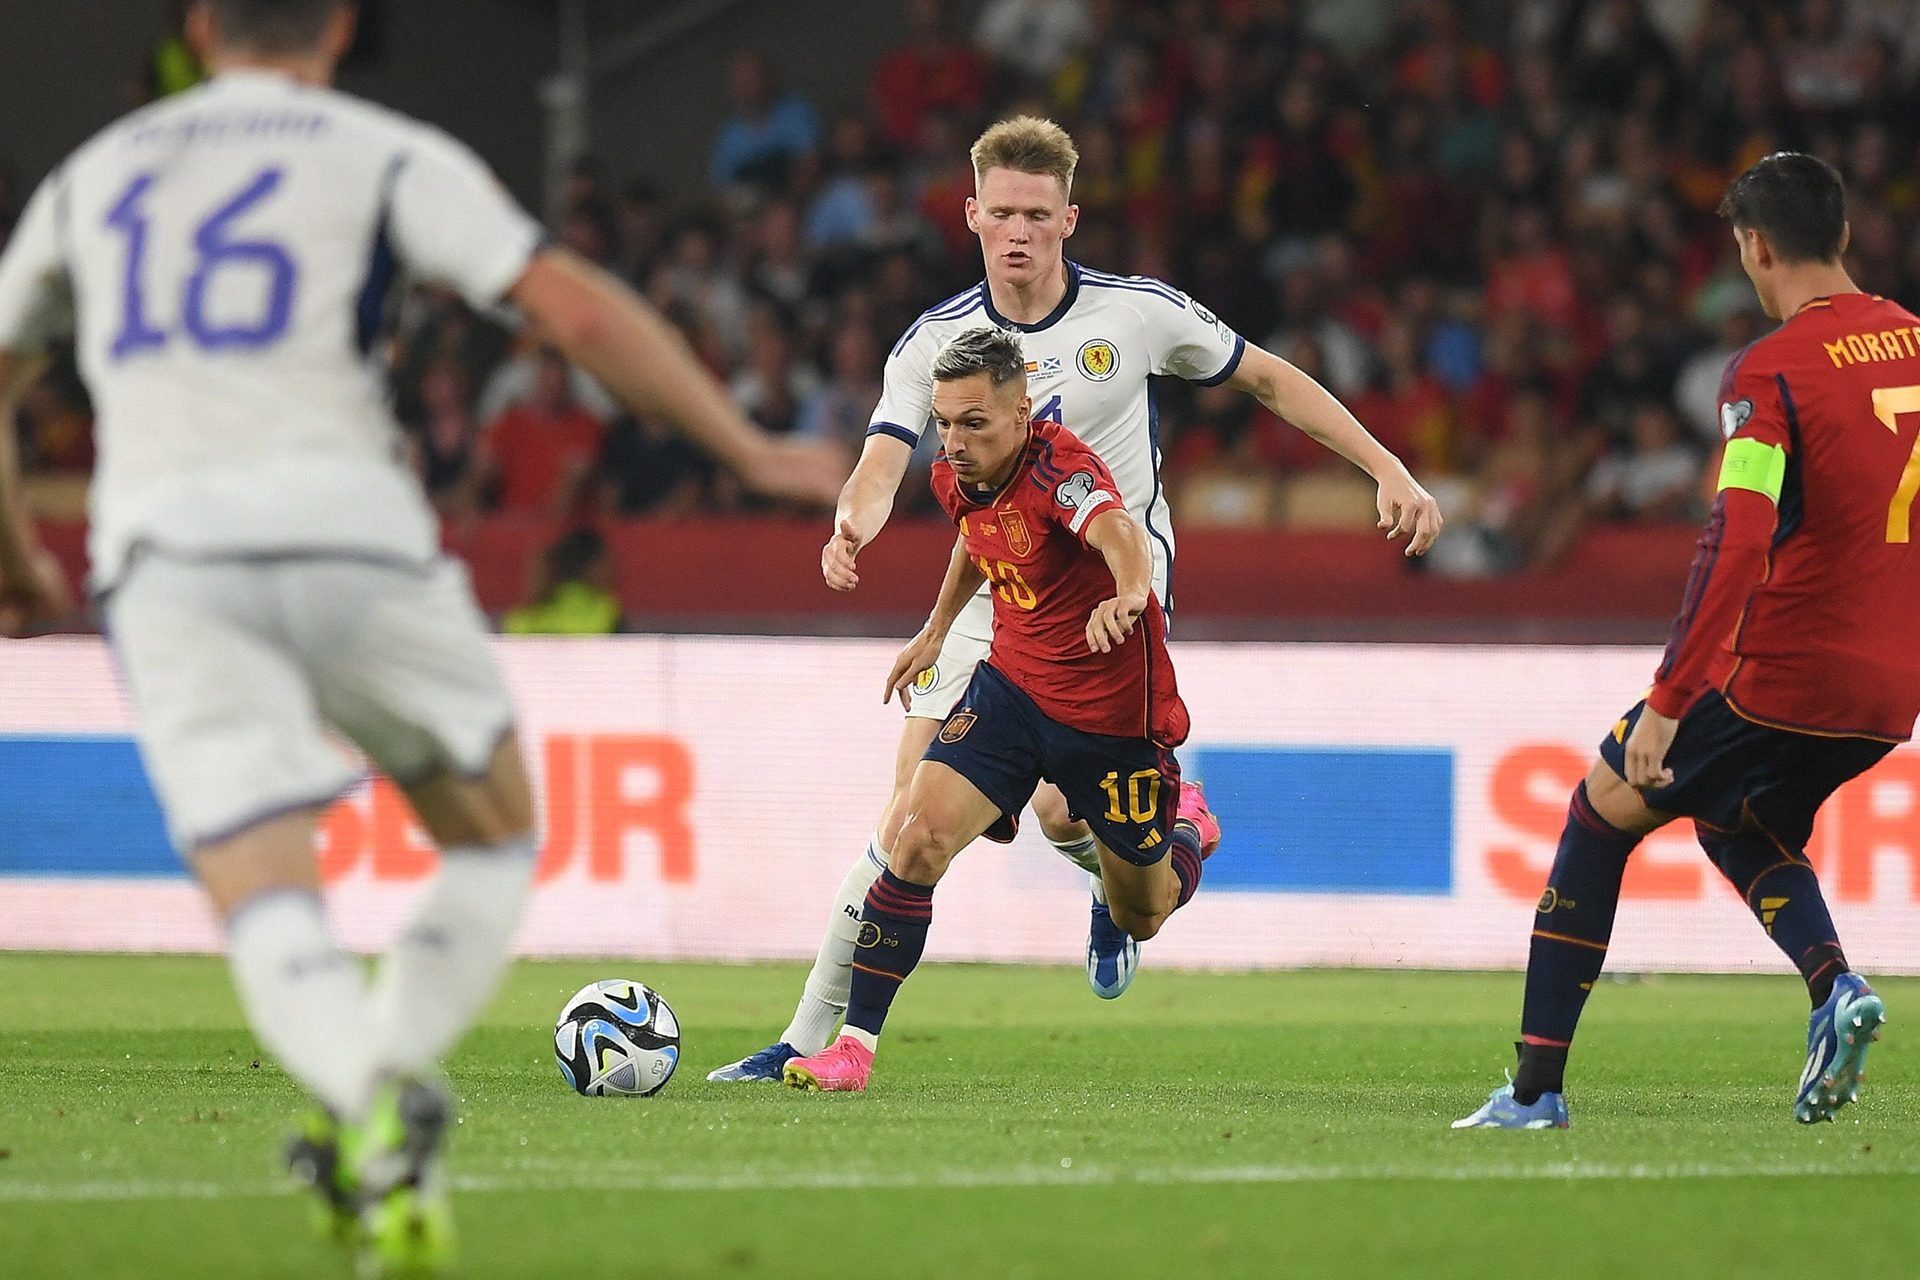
<point>1027,144</point>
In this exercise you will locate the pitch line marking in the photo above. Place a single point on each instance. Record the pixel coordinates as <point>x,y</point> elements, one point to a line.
<point>642,1179</point>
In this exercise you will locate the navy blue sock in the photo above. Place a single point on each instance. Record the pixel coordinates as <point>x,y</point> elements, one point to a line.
<point>1186,861</point>
<point>1571,928</point>
<point>893,934</point>
<point>1784,895</point>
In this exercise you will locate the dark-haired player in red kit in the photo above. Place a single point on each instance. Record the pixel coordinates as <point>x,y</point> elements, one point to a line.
<point>1077,689</point>
<point>1792,665</point>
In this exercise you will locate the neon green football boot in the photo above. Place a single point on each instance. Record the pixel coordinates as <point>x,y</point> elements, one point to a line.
<point>393,1163</point>
<point>313,1161</point>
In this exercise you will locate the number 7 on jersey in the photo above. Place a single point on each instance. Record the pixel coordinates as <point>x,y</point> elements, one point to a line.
<point>1888,404</point>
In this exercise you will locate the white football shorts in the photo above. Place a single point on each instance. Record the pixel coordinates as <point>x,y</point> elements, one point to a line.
<point>245,673</point>
<point>937,690</point>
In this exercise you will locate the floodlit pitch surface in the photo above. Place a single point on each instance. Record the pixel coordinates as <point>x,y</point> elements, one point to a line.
<point>1205,1125</point>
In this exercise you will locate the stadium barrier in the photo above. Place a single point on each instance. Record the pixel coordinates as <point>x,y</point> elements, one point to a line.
<point>1384,806</point>
<point>761,574</point>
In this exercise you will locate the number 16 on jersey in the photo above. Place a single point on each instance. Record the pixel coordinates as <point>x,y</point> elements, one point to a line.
<point>217,249</point>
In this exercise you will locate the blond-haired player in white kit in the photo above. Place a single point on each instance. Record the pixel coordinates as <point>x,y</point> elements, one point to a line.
<point>268,568</point>
<point>1092,341</point>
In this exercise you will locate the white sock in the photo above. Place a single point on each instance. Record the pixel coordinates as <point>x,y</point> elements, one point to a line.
<point>441,971</point>
<point>304,997</point>
<point>1083,853</point>
<point>823,1002</point>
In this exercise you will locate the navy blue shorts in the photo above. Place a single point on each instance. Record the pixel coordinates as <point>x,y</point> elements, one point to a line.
<point>1126,789</point>
<point>1729,772</point>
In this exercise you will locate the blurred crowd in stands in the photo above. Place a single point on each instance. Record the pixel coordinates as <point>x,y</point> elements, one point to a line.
<point>1487,225</point>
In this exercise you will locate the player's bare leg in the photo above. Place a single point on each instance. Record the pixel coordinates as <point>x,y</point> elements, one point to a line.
<point>431,984</point>
<point>1143,897</point>
<point>945,813</point>
<point>823,999</point>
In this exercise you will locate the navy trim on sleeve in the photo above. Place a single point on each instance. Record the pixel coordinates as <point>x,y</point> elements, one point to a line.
<point>895,430</point>
<point>1226,370</point>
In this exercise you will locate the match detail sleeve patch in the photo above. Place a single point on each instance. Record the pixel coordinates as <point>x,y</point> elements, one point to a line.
<point>1087,507</point>
<point>1754,465</point>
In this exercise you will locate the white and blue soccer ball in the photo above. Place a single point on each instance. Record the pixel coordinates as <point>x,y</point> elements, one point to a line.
<point>619,1038</point>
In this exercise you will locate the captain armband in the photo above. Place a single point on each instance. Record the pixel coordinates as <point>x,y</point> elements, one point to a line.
<point>1752,464</point>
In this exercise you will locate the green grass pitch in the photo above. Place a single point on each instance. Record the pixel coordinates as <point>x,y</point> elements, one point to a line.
<point>1207,1125</point>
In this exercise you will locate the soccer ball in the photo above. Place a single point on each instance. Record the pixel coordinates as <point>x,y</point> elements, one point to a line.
<point>617,1037</point>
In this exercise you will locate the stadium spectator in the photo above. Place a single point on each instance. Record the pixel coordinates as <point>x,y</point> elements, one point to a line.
<point>839,408</point>
<point>1437,204</point>
<point>1654,476</point>
<point>931,71</point>
<point>1032,38</point>
<point>775,380</point>
<point>572,591</point>
<point>538,456</point>
<point>648,470</point>
<point>1696,391</point>
<point>770,138</point>
<point>446,441</point>
<point>641,231</point>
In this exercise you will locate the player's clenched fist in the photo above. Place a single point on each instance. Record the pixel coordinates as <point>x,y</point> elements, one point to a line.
<point>1112,621</point>
<point>920,653</point>
<point>836,558</point>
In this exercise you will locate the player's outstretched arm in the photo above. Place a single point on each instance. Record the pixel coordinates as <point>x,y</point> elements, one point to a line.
<point>1405,508</point>
<point>32,588</point>
<point>963,579</point>
<point>613,334</point>
<point>866,500</point>
<point>1122,543</point>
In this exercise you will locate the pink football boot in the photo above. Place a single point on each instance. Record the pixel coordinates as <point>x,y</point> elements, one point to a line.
<point>1193,808</point>
<point>841,1067</point>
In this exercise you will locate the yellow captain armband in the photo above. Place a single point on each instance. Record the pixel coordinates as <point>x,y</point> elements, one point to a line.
<point>1750,464</point>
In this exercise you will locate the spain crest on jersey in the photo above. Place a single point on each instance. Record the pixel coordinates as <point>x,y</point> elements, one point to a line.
<point>1098,359</point>
<point>1014,525</point>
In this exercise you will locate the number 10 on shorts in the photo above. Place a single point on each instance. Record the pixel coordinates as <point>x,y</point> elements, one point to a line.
<point>1143,796</point>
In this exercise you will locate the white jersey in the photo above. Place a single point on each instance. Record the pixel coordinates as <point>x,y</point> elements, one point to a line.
<point>1089,368</point>
<point>230,253</point>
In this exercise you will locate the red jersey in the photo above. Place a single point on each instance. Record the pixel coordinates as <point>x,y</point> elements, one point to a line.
<point>1803,611</point>
<point>538,449</point>
<point>1029,538</point>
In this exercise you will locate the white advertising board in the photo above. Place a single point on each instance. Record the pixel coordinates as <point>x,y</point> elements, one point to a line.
<point>1384,806</point>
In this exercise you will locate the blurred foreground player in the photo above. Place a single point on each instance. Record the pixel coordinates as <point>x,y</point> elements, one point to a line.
<point>1094,344</point>
<point>1077,688</point>
<point>268,568</point>
<point>1791,667</point>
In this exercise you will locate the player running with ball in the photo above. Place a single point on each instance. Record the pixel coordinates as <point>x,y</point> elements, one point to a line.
<point>269,569</point>
<point>1791,668</point>
<point>1093,344</point>
<point>1077,687</point>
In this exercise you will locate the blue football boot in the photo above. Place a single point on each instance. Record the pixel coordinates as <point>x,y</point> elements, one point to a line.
<point>764,1065</point>
<point>1548,1111</point>
<point>1113,957</point>
<point>1839,1033</point>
